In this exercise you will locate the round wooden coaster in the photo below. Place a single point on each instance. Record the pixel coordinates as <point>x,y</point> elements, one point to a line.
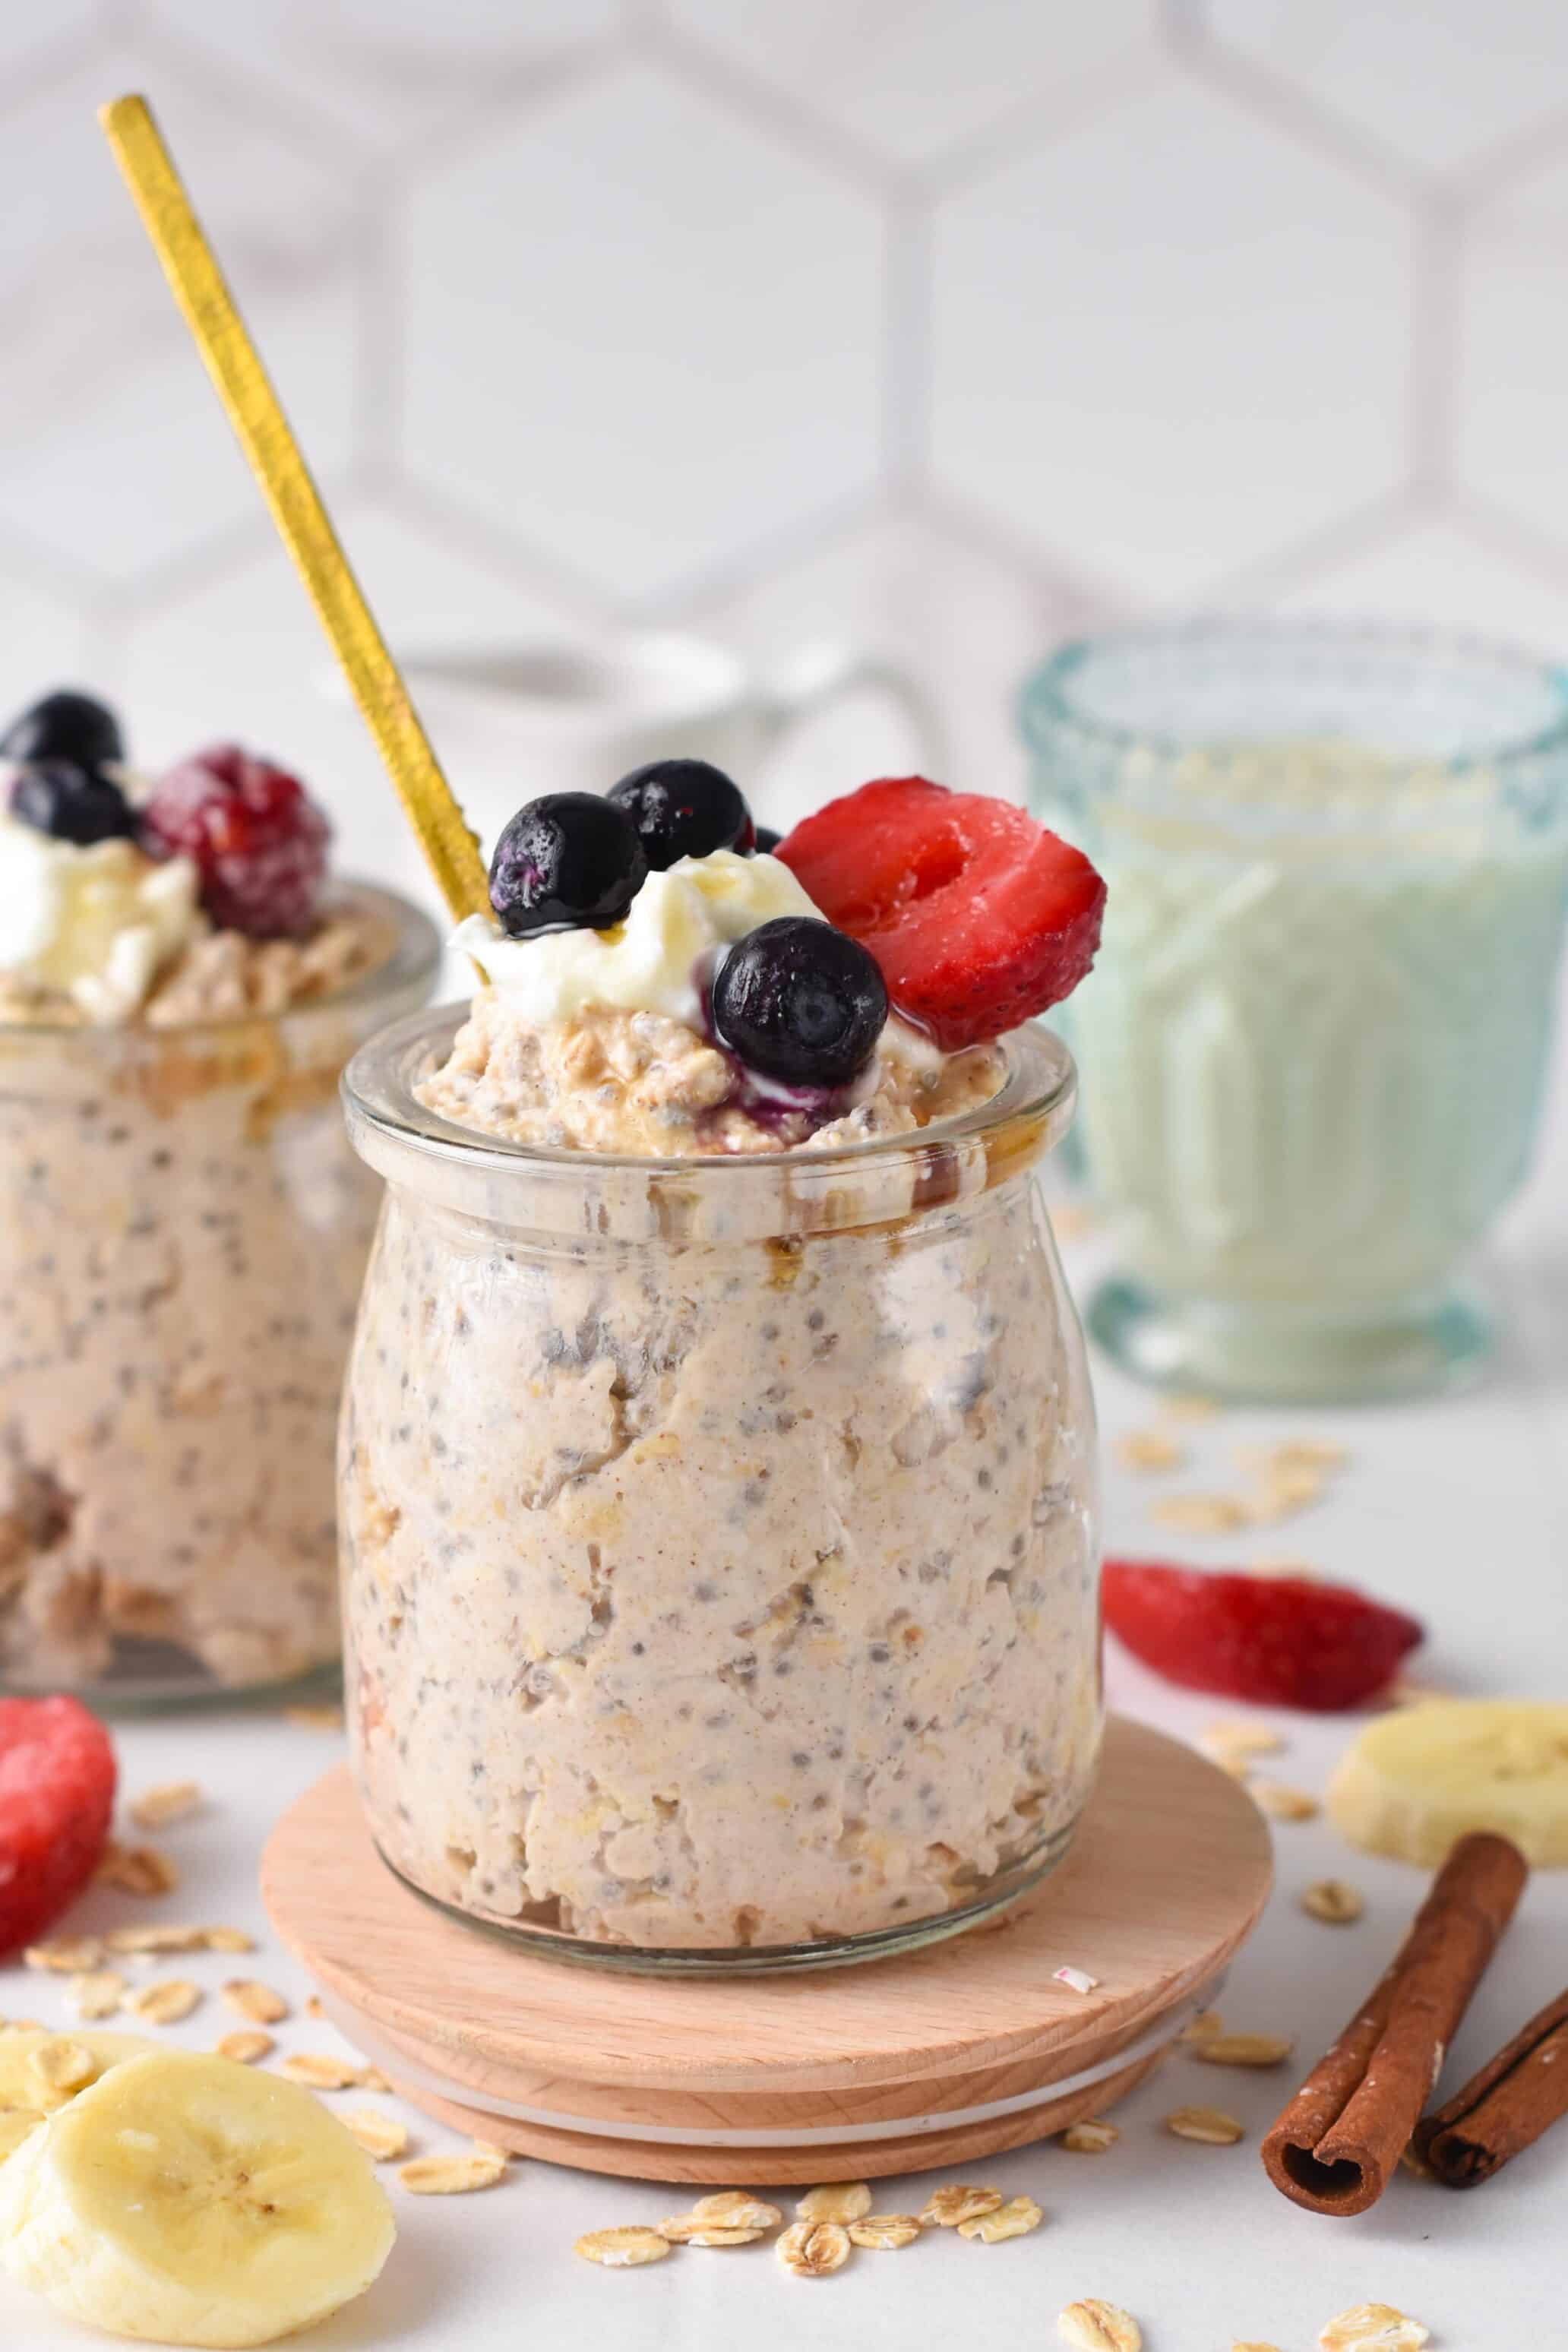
<point>931,2057</point>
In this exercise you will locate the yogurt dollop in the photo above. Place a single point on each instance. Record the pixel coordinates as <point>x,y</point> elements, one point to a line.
<point>652,960</point>
<point>96,924</point>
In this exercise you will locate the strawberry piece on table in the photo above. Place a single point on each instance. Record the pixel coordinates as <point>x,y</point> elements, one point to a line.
<point>978,917</point>
<point>1284,1641</point>
<point>57,1795</point>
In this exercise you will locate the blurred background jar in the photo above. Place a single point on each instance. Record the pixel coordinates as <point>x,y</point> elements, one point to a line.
<point>1315,1038</point>
<point>183,1232</point>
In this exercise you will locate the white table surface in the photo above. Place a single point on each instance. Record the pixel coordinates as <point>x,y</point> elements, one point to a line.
<point>1457,1509</point>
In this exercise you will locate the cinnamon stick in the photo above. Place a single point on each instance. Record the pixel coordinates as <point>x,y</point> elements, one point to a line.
<point>1505,2107</point>
<point>1336,2146</point>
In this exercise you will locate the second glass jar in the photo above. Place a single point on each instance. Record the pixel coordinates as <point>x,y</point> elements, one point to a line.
<point>719,1537</point>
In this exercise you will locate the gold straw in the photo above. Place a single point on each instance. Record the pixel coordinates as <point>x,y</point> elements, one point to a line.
<point>254,412</point>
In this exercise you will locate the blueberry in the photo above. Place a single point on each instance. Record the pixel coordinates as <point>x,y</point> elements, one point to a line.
<point>65,726</point>
<point>684,808</point>
<point>801,1002</point>
<point>566,858</point>
<point>57,798</point>
<point>767,840</point>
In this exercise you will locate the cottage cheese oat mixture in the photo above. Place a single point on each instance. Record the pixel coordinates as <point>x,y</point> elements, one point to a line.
<point>184,1230</point>
<point>716,1592</point>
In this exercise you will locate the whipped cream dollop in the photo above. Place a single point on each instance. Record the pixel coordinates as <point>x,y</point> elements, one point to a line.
<point>654,960</point>
<point>96,924</point>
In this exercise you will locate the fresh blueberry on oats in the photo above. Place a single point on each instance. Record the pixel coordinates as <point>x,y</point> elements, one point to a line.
<point>68,803</point>
<point>65,726</point>
<point>801,1002</point>
<point>566,859</point>
<point>684,808</point>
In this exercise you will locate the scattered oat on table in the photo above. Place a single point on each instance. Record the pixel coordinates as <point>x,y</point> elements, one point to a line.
<point>61,2064</point>
<point>323,2074</point>
<point>1015,2219</point>
<point>1307,1453</point>
<point>68,1956</point>
<point>1283,1803</point>
<point>621,2249</point>
<point>381,2137</point>
<point>884,2234</point>
<point>170,1802</point>
<point>1189,1405</point>
<point>249,1998</point>
<point>157,1939</point>
<point>371,2078</point>
<point>1372,2327</point>
<point>1150,1450</point>
<point>1091,2135</point>
<point>1253,2344</point>
<point>1334,1900</point>
<point>1093,2325</point>
<point>946,2208</point>
<point>492,2149</point>
<point>227,1939</point>
<point>713,2233</point>
<point>163,2003</point>
<point>813,2249</point>
<point>1244,2049</point>
<point>1231,1736</point>
<point>143,1869</point>
<point>453,2176</point>
<point>726,2208</point>
<point>314,2006</point>
<point>1202,1515</point>
<point>1212,2125</point>
<point>1075,1979</point>
<point>1201,2028</point>
<point>246,2048</point>
<point>835,2200</point>
<point>97,1994</point>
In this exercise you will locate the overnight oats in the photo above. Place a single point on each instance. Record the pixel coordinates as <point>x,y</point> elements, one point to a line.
<point>184,1227</point>
<point>716,1464</point>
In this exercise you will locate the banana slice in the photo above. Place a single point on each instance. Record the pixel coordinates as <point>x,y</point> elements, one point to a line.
<point>191,2200</point>
<point>1415,1781</point>
<point>40,2071</point>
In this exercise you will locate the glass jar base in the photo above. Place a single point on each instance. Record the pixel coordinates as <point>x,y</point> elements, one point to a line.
<point>1263,1356</point>
<point>159,1678</point>
<point>757,1959</point>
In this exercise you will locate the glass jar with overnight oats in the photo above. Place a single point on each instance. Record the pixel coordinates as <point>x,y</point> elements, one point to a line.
<point>720,1580</point>
<point>184,1226</point>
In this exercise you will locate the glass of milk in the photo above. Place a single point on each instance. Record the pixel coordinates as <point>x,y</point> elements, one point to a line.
<point>1312,1047</point>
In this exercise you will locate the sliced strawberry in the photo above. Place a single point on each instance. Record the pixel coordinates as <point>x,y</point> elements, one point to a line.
<point>56,1794</point>
<point>978,917</point>
<point>1284,1641</point>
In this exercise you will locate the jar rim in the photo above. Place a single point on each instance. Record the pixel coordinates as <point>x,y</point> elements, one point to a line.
<point>414,959</point>
<point>1049,706</point>
<point>1025,1118</point>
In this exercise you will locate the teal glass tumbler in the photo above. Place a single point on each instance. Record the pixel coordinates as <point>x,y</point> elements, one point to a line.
<point>1311,1050</point>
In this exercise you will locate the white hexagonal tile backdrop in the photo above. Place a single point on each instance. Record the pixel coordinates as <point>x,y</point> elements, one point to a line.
<point>937,327</point>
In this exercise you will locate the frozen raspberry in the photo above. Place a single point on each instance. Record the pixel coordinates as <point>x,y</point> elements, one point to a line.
<point>56,1794</point>
<point>1285,1641</point>
<point>256,837</point>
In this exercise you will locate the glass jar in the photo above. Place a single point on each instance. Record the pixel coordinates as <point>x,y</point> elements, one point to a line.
<point>1316,1031</point>
<point>183,1236</point>
<point>721,1584</point>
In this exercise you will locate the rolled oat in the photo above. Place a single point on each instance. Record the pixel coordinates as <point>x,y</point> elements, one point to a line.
<point>1212,2125</point>
<point>246,2048</point>
<point>321,2074</point>
<point>1015,2219</point>
<point>622,2248</point>
<point>1244,2049</point>
<point>1334,1900</point>
<point>97,1994</point>
<point>170,1802</point>
<point>1090,2136</point>
<point>1372,2327</point>
<point>884,2234</point>
<point>813,2249</point>
<point>1283,1803</point>
<point>835,2200</point>
<point>381,2137</point>
<point>163,2003</point>
<point>1093,2325</point>
<point>247,1997</point>
<point>947,2208</point>
<point>450,2176</point>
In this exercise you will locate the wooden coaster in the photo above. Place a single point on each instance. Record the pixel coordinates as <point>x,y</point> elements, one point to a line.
<point>930,2058</point>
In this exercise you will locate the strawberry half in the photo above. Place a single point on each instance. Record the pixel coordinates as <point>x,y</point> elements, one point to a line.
<point>978,917</point>
<point>1285,1641</point>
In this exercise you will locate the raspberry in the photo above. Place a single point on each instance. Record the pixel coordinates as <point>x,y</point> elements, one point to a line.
<point>56,1794</point>
<point>257,839</point>
<point>1286,1641</point>
<point>978,917</point>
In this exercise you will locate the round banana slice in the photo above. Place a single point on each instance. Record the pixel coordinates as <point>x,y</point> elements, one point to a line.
<point>40,2071</point>
<point>1415,1781</point>
<point>190,2199</point>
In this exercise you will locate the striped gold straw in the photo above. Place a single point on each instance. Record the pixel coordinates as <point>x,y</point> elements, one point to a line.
<point>254,412</point>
